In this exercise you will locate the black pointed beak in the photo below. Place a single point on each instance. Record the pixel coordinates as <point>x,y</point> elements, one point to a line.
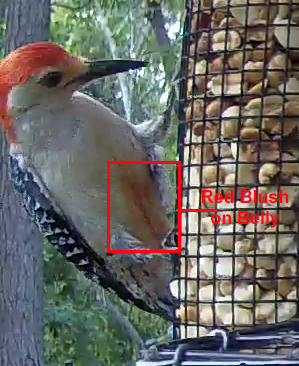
<point>101,68</point>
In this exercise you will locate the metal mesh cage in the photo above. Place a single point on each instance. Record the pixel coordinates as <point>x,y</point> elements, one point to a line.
<point>239,149</point>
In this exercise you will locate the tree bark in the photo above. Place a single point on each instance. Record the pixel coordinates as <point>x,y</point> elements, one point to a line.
<point>2,8</point>
<point>21,247</point>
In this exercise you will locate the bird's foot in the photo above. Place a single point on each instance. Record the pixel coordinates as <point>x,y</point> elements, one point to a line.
<point>171,241</point>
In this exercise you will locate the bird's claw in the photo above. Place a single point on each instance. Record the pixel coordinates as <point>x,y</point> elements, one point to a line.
<point>170,241</point>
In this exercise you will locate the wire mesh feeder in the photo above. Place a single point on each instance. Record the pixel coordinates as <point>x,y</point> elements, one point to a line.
<point>240,159</point>
<point>239,140</point>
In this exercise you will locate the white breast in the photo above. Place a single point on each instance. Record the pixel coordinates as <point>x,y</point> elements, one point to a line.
<point>70,152</point>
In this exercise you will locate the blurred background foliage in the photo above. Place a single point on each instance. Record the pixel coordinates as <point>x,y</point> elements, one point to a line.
<point>82,322</point>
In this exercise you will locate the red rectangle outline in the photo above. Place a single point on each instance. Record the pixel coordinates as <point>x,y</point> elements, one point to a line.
<point>199,210</point>
<point>179,206</point>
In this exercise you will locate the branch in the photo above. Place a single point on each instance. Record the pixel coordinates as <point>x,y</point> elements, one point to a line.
<point>171,70</point>
<point>123,321</point>
<point>101,19</point>
<point>157,20</point>
<point>146,94</point>
<point>142,39</point>
<point>155,16</point>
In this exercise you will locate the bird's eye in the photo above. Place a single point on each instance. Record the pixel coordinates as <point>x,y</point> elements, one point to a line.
<point>51,79</point>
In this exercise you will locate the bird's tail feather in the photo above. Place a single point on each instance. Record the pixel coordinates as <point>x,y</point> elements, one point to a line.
<point>154,132</point>
<point>145,275</point>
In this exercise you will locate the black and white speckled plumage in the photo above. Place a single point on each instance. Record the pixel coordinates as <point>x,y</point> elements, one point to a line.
<point>59,231</point>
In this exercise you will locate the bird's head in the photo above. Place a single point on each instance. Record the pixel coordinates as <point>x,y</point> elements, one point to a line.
<point>33,73</point>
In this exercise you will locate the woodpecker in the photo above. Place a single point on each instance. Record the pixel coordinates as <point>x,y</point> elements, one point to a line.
<point>60,142</point>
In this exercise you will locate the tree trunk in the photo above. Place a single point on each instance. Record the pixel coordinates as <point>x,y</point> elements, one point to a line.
<point>21,248</point>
